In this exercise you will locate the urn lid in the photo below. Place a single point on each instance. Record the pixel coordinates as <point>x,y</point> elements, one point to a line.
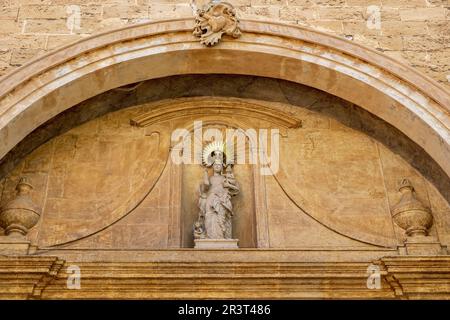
<point>22,200</point>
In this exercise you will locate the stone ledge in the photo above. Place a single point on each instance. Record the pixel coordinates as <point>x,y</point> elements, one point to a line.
<point>418,277</point>
<point>24,277</point>
<point>216,244</point>
<point>312,254</point>
<point>412,277</point>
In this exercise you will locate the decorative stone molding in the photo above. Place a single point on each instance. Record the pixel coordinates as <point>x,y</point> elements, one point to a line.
<point>188,107</point>
<point>20,214</point>
<point>45,277</point>
<point>410,214</point>
<point>27,277</point>
<point>417,277</point>
<point>215,20</point>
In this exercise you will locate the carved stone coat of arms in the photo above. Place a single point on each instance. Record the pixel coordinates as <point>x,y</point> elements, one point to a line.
<point>215,20</point>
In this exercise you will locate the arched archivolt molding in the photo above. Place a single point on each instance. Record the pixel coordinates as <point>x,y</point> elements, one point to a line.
<point>49,85</point>
<point>167,110</point>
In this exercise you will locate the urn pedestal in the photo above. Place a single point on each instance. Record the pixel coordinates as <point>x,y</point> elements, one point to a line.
<point>216,244</point>
<point>15,246</point>
<point>422,246</point>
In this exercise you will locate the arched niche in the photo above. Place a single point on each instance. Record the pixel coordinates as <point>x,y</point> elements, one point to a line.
<point>250,224</point>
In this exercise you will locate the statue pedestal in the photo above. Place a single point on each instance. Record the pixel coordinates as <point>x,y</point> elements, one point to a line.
<point>216,244</point>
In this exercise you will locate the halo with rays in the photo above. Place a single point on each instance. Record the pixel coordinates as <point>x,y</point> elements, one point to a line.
<point>207,155</point>
<point>208,151</point>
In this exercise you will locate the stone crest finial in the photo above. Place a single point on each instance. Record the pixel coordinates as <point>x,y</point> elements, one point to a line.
<point>215,20</point>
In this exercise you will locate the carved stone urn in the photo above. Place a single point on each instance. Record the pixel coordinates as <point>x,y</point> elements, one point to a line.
<point>20,214</point>
<point>410,214</point>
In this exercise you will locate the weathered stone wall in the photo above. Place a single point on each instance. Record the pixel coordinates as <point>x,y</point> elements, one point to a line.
<point>415,31</point>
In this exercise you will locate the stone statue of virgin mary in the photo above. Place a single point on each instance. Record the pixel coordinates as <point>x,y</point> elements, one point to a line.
<point>216,210</point>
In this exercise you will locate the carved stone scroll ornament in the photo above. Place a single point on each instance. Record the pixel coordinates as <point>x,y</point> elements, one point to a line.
<point>410,214</point>
<point>20,214</point>
<point>215,20</point>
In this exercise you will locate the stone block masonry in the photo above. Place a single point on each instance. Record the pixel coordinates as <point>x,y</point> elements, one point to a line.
<point>416,32</point>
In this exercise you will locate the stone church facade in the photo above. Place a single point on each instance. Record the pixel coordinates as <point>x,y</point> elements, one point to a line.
<point>112,186</point>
